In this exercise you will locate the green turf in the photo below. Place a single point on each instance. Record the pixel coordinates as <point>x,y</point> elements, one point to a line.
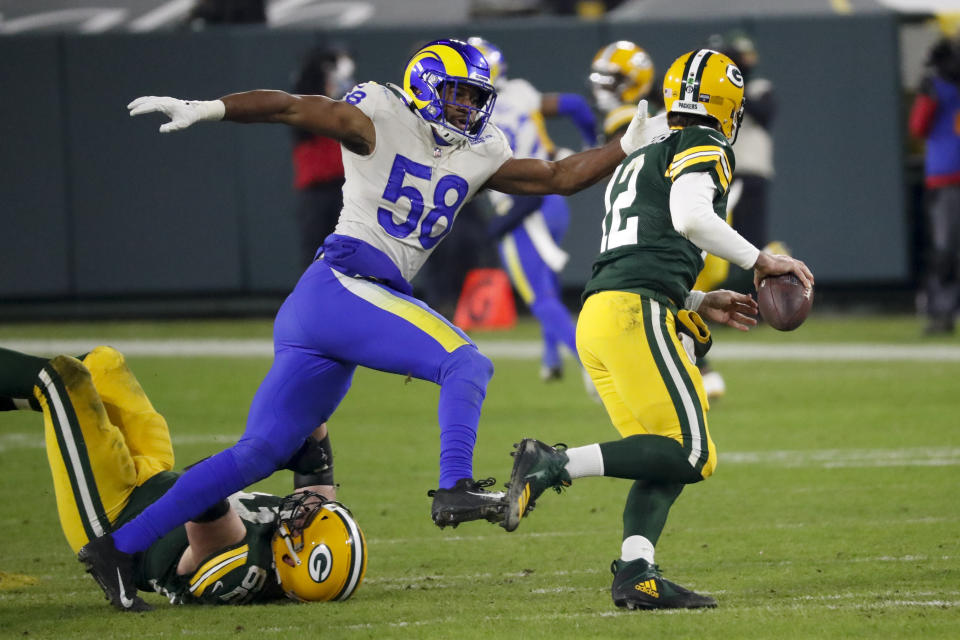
<point>833,513</point>
<point>820,327</point>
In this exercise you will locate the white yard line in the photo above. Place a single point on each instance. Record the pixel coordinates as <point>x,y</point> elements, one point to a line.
<point>818,458</point>
<point>506,349</point>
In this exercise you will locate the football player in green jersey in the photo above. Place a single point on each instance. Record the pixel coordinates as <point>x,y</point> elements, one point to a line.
<point>640,328</point>
<point>110,455</point>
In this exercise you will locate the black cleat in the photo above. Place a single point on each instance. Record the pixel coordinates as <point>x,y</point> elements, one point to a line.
<point>551,374</point>
<point>639,585</point>
<point>467,500</point>
<point>536,468</point>
<point>113,571</point>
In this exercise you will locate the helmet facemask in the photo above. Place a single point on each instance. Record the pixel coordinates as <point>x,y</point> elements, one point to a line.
<point>736,120</point>
<point>318,549</point>
<point>297,512</point>
<point>458,106</point>
<point>621,73</point>
<point>607,89</point>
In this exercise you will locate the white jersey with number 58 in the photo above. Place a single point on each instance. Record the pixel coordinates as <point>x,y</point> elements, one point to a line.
<point>403,197</point>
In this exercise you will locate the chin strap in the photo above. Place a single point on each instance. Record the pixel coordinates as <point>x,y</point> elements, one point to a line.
<point>285,534</point>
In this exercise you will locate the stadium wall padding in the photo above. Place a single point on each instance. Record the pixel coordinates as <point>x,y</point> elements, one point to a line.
<point>95,203</point>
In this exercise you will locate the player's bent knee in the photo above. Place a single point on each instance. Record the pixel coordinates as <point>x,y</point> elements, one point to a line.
<point>467,363</point>
<point>708,468</point>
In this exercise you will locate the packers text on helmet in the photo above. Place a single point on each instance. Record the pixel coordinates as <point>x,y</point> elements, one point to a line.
<point>706,83</point>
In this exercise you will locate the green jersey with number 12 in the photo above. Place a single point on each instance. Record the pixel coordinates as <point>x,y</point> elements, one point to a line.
<point>640,248</point>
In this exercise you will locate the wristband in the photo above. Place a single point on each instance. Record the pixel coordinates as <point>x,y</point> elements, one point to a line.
<point>693,300</point>
<point>209,109</point>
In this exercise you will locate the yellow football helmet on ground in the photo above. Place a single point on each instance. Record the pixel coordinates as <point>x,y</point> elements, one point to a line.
<point>621,73</point>
<point>706,83</point>
<point>318,549</point>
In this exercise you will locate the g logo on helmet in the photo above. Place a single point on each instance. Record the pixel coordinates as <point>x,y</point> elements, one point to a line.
<point>733,73</point>
<point>320,563</point>
<point>326,558</point>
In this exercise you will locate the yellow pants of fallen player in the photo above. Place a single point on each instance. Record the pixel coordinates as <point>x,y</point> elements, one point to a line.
<point>103,439</point>
<point>628,344</point>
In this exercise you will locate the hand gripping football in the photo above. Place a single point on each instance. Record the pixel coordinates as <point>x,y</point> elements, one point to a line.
<point>784,302</point>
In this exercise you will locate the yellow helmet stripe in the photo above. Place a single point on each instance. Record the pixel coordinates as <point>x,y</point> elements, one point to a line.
<point>607,52</point>
<point>215,568</point>
<point>452,61</point>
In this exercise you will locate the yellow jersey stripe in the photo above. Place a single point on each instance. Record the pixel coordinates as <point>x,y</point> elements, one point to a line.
<point>215,568</point>
<point>706,149</point>
<point>618,118</point>
<point>537,118</point>
<point>435,327</point>
<point>723,173</point>
<point>515,267</point>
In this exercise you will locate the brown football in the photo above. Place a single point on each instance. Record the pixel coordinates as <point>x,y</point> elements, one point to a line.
<point>783,301</point>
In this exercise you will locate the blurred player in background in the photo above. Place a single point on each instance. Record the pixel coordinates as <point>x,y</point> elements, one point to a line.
<point>529,229</point>
<point>317,164</point>
<point>747,204</point>
<point>639,329</point>
<point>110,455</point>
<point>935,117</point>
<point>413,155</point>
<point>621,75</point>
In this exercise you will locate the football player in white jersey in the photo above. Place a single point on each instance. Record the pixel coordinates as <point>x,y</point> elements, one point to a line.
<point>412,155</point>
<point>528,229</point>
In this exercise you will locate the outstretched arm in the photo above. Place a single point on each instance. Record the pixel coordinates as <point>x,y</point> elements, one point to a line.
<point>317,114</point>
<point>531,177</point>
<point>528,176</point>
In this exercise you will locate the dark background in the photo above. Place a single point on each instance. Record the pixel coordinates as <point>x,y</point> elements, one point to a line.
<point>97,206</point>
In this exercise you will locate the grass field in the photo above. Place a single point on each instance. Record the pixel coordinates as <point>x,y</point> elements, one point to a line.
<point>834,512</point>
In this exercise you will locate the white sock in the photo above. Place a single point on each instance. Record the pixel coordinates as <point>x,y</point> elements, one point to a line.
<point>585,461</point>
<point>636,547</point>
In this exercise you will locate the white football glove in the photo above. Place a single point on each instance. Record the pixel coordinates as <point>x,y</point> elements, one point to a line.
<point>633,137</point>
<point>182,113</point>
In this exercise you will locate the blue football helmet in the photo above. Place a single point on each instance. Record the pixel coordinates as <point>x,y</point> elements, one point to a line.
<point>495,59</point>
<point>451,75</point>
